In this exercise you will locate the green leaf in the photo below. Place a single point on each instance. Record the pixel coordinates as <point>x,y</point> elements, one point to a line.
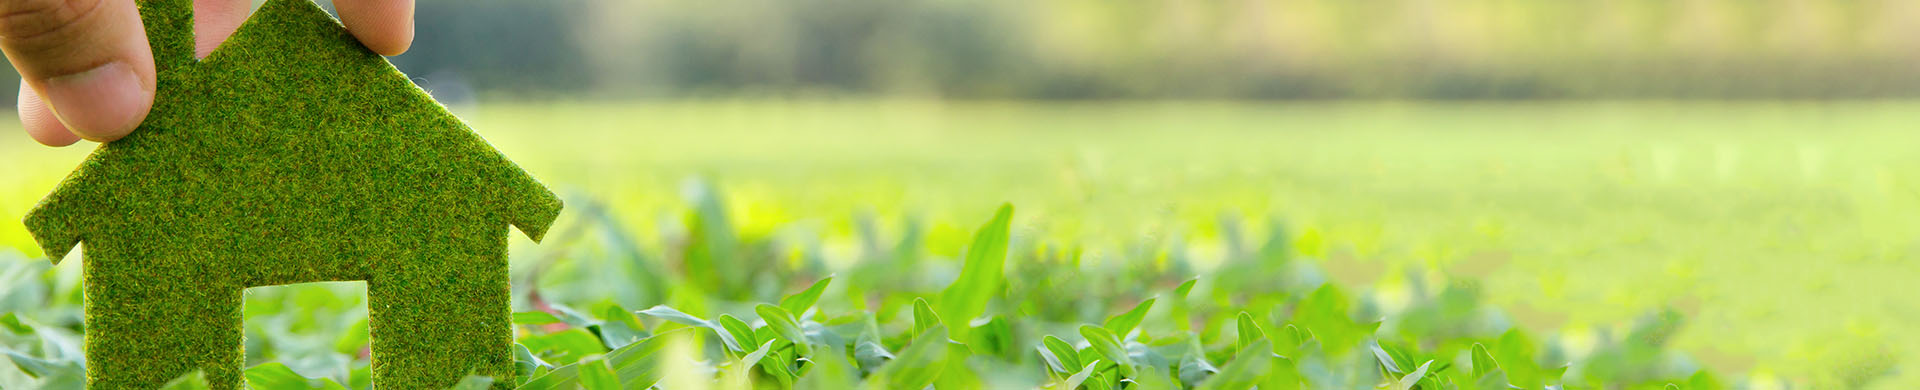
<point>621,327</point>
<point>1178,313</point>
<point>620,315</point>
<point>1185,288</point>
<point>711,258</point>
<point>831,371</point>
<point>1483,362</point>
<point>996,337</point>
<point>799,303</point>
<point>637,365</point>
<point>785,325</point>
<point>1194,367</point>
<point>1326,313</point>
<point>1247,369</point>
<point>565,377</point>
<point>1388,366</point>
<point>525,364</point>
<point>980,275</point>
<point>764,358</point>
<point>565,346</point>
<point>1249,331</point>
<point>571,317</point>
<point>595,375</point>
<point>1078,378</point>
<point>1152,378</point>
<point>473,382</point>
<point>354,339</point>
<point>1065,356</point>
<point>12,323</point>
<point>1104,342</point>
<point>1514,351</point>
<point>535,318</point>
<point>918,365</point>
<point>195,380</point>
<point>871,355</point>
<point>1125,322</point>
<point>276,376</point>
<point>1492,380</point>
<point>923,317</point>
<point>957,375</point>
<point>42,368</point>
<point>1413,378</point>
<point>1284,376</point>
<point>741,332</point>
<point>1289,340</point>
<point>668,313</point>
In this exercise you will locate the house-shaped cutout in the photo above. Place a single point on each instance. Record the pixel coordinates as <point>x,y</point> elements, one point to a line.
<point>291,154</point>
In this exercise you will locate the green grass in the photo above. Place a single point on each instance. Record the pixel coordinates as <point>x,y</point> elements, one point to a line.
<point>1765,242</point>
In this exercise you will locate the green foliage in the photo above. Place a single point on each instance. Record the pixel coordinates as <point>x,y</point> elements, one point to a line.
<point>1054,285</point>
<point>904,343</point>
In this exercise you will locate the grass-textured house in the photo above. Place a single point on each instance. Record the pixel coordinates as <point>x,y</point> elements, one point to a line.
<point>291,154</point>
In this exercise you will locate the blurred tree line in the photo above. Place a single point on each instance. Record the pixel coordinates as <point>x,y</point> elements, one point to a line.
<point>1226,49</point>
<point>1263,49</point>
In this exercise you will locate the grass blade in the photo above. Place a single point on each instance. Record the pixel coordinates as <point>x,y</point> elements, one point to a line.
<point>1249,331</point>
<point>1125,322</point>
<point>798,303</point>
<point>923,317</point>
<point>980,275</point>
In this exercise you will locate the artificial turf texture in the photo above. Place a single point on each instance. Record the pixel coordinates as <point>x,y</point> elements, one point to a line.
<point>292,154</point>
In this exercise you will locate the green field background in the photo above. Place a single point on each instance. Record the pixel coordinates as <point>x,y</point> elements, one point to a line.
<point>1787,233</point>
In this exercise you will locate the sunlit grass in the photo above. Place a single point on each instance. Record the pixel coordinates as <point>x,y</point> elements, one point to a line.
<point>1782,231</point>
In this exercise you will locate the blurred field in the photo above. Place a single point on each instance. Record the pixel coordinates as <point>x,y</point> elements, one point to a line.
<point>1784,232</point>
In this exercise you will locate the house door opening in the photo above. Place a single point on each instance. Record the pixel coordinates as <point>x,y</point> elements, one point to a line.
<point>316,330</point>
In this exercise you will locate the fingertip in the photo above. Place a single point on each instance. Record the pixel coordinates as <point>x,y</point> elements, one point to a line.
<point>384,26</point>
<point>39,121</point>
<point>100,104</point>
<point>214,21</point>
<point>91,75</point>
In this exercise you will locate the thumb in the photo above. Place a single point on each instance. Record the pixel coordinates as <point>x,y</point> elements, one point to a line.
<point>87,60</point>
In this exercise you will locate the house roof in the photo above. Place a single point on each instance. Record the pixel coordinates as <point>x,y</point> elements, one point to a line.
<point>290,122</point>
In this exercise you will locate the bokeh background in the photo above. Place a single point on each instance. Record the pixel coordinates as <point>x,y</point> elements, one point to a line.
<point>1748,164</point>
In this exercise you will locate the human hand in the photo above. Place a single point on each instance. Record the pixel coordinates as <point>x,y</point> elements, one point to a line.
<point>87,71</point>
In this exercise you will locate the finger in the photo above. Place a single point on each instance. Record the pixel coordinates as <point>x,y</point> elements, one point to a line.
<point>87,59</point>
<point>385,26</point>
<point>214,21</point>
<point>39,121</point>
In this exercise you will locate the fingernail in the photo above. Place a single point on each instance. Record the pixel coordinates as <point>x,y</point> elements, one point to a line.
<point>100,104</point>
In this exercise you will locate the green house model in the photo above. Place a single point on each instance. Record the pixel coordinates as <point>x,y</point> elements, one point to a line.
<point>291,154</point>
